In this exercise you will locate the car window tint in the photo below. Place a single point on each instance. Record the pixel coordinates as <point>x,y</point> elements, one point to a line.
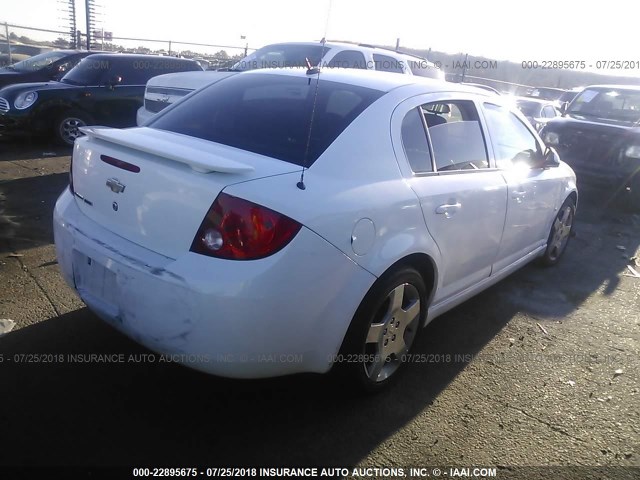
<point>387,64</point>
<point>513,142</point>
<point>348,59</point>
<point>456,135</point>
<point>270,114</point>
<point>138,71</point>
<point>414,141</point>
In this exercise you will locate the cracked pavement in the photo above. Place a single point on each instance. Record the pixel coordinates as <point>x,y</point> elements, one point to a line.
<point>541,369</point>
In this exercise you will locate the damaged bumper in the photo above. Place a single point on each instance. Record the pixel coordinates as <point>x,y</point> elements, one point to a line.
<point>237,319</point>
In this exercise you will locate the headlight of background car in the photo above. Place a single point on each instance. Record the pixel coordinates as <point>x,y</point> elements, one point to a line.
<point>551,138</point>
<point>25,100</point>
<point>633,151</point>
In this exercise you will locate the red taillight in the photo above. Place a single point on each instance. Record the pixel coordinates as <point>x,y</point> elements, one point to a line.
<point>241,230</point>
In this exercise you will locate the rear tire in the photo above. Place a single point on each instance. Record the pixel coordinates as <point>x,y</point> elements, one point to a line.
<point>383,330</point>
<point>561,230</point>
<point>65,126</point>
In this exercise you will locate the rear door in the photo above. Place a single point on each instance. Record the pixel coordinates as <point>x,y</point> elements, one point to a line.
<point>463,198</point>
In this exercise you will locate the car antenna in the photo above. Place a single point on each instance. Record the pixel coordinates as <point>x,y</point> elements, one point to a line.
<point>313,70</point>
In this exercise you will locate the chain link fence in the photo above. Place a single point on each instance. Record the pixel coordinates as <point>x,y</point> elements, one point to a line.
<point>18,42</point>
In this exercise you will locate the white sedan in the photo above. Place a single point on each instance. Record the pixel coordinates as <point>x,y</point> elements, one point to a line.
<point>285,221</point>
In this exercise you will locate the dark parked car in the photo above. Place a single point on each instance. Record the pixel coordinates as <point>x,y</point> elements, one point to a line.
<point>599,137</point>
<point>538,112</point>
<point>42,68</point>
<point>105,89</point>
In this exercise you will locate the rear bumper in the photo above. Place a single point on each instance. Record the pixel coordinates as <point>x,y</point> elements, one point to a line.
<point>284,314</point>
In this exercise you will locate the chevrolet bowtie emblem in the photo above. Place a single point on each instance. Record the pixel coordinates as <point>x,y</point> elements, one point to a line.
<point>115,185</point>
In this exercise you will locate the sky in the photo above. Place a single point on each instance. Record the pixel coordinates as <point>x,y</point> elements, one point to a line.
<point>503,30</point>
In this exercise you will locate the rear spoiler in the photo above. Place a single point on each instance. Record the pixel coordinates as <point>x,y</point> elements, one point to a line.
<point>199,159</point>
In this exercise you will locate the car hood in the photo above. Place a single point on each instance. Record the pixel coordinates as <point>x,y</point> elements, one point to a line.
<point>188,80</point>
<point>600,121</point>
<point>18,88</point>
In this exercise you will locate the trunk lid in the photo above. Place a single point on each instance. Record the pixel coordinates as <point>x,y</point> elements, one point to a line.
<point>154,187</point>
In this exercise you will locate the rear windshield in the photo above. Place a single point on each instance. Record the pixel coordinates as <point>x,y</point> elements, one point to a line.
<point>270,114</point>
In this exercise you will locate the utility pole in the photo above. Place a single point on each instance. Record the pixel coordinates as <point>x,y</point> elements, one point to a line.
<point>464,67</point>
<point>6,29</point>
<point>398,44</point>
<point>72,24</point>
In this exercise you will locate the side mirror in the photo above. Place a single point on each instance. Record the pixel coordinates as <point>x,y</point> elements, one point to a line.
<point>113,81</point>
<point>551,158</point>
<point>563,108</point>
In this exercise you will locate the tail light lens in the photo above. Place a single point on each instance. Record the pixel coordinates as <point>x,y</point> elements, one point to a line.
<point>237,229</point>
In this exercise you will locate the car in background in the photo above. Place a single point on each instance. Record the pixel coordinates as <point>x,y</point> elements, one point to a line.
<point>162,92</point>
<point>598,136</point>
<point>538,112</point>
<point>545,93</point>
<point>42,68</point>
<point>104,89</point>
<point>285,221</point>
<point>483,87</point>
<point>567,97</point>
<point>19,52</point>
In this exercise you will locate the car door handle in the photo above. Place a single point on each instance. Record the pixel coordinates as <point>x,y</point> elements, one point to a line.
<point>448,209</point>
<point>518,194</point>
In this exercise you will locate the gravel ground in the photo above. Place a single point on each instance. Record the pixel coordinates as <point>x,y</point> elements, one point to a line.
<point>539,370</point>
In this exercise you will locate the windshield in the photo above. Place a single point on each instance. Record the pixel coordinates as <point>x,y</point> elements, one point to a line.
<point>270,114</point>
<point>87,72</point>
<point>528,109</point>
<point>615,104</point>
<point>281,55</point>
<point>38,62</point>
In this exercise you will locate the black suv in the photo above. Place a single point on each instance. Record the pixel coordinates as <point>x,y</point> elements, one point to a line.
<point>105,89</point>
<point>42,68</point>
<point>599,136</point>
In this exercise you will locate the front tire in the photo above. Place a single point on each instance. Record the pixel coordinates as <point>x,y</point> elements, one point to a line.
<point>384,330</point>
<point>561,230</point>
<point>66,126</point>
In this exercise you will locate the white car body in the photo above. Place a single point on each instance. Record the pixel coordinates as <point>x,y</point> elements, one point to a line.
<point>164,90</point>
<point>363,210</point>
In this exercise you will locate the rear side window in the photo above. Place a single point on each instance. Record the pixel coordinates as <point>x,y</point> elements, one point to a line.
<point>414,141</point>
<point>385,63</point>
<point>270,114</point>
<point>456,135</point>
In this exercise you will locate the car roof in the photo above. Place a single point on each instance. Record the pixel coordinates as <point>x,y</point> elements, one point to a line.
<point>617,87</point>
<point>540,101</point>
<point>349,45</point>
<point>374,79</point>
<point>135,56</point>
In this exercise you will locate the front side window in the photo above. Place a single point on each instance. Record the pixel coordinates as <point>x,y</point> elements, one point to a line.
<point>513,142</point>
<point>138,71</point>
<point>91,71</point>
<point>38,62</point>
<point>270,114</point>
<point>456,135</point>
